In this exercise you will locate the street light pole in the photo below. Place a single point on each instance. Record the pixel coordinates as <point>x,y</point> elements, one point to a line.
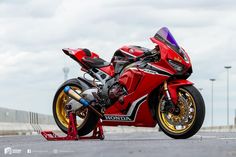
<point>66,71</point>
<point>227,68</point>
<point>235,118</point>
<point>212,82</point>
<point>200,89</point>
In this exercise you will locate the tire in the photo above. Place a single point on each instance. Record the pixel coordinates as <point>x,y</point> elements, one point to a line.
<point>195,123</point>
<point>89,122</point>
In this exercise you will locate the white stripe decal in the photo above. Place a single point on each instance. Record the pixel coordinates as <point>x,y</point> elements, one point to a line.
<point>134,104</point>
<point>130,112</point>
<point>158,68</point>
<point>128,53</point>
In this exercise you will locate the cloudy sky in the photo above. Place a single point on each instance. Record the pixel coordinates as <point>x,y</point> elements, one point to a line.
<point>32,34</point>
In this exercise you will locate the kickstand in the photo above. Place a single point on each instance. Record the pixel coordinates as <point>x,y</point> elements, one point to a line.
<point>72,132</point>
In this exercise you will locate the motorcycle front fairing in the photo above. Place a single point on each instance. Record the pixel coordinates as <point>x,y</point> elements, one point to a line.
<point>172,55</point>
<point>175,58</point>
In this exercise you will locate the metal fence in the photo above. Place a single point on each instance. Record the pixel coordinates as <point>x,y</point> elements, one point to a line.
<point>17,116</point>
<point>22,122</point>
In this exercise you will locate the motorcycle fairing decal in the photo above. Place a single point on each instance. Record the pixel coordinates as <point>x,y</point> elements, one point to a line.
<point>131,114</point>
<point>144,70</point>
<point>158,70</point>
<point>128,54</point>
<point>150,71</point>
<point>135,103</point>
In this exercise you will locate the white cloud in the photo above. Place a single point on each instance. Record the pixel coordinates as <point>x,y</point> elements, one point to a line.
<point>28,8</point>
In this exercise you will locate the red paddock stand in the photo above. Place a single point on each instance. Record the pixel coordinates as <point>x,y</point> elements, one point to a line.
<point>72,132</point>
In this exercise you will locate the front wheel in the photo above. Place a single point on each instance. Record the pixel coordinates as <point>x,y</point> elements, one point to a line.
<point>190,118</point>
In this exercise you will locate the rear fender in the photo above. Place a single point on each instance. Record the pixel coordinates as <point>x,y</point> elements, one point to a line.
<point>174,85</point>
<point>82,83</point>
<point>87,82</point>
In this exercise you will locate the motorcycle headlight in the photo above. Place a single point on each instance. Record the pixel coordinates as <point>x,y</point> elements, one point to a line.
<point>177,66</point>
<point>183,55</point>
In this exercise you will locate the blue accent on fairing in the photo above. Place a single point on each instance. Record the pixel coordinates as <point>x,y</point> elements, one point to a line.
<point>66,89</point>
<point>84,102</point>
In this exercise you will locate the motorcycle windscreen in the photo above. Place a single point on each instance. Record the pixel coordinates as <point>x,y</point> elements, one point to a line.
<point>166,37</point>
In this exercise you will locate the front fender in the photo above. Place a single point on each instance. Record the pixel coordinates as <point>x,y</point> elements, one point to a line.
<point>173,87</point>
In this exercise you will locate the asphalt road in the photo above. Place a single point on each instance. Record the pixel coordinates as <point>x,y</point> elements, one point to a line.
<point>124,145</point>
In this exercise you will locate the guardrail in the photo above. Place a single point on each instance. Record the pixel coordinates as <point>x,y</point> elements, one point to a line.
<point>16,122</point>
<point>231,128</point>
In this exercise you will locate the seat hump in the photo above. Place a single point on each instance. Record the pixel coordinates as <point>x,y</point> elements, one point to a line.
<point>95,62</point>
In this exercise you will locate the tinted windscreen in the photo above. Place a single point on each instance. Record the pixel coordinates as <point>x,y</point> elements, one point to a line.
<point>166,37</point>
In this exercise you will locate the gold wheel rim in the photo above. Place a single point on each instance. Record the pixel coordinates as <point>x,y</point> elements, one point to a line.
<point>188,110</point>
<point>61,101</point>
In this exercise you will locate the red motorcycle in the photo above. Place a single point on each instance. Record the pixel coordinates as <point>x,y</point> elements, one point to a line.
<point>140,87</point>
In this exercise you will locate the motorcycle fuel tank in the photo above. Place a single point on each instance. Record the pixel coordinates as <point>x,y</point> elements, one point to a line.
<point>123,55</point>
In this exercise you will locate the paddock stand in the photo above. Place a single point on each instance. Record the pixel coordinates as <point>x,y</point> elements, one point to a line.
<point>72,132</point>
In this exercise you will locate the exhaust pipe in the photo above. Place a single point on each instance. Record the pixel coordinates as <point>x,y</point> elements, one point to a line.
<point>74,95</point>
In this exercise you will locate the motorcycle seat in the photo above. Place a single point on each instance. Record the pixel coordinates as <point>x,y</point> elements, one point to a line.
<point>95,62</point>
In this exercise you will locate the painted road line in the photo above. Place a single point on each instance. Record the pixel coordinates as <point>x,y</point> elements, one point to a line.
<point>211,137</point>
<point>206,137</point>
<point>227,138</point>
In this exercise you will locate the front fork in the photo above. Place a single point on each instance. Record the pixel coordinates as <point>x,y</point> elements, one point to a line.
<point>168,105</point>
<point>167,94</point>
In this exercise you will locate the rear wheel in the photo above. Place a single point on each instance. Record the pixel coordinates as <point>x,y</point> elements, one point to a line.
<point>190,118</point>
<point>86,119</point>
